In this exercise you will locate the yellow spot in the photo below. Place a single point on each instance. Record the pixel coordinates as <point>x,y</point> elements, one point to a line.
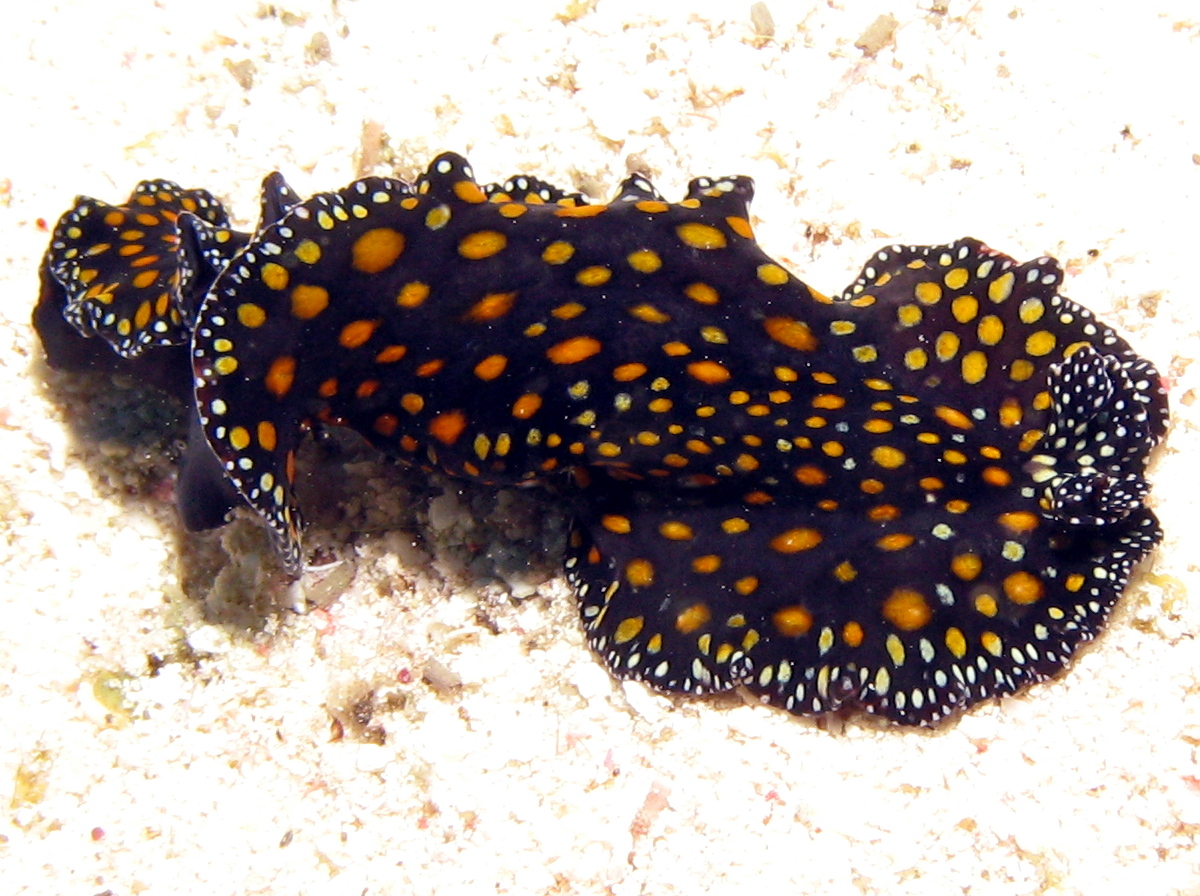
<point>956,643</point>
<point>630,627</point>
<point>527,405</point>
<point>947,345</point>
<point>482,244</point>
<point>447,427</point>
<point>280,376</point>
<point>1031,311</point>
<point>274,275</point>
<point>1074,582</point>
<point>239,438</point>
<point>644,261</point>
<point>1023,588</point>
<point>708,372</point>
<point>1040,343</point>
<point>956,278</point>
<point>793,541</point>
<point>639,573</point>
<point>308,252</point>
<point>702,293</point>
<point>888,457</point>
<point>356,333</point>
<point>974,367</point>
<point>1001,288</point>
<point>491,367</point>
<point>791,333</point>
<point>909,315</point>
<point>250,315</point>
<point>845,572</point>
<point>734,526</point>
<point>991,643</point>
<point>701,236</point>
<point>492,306</point>
<point>573,350</point>
<point>676,349</point>
<point>142,316</point>
<point>792,621</point>
<point>985,604</point>
<point>927,293</point>
<point>377,250</point>
<point>558,252</point>
<point>595,275</point>
<point>772,274</point>
<point>627,372</point>
<point>309,301</point>
<point>990,330</point>
<point>895,650</point>
<point>694,617</point>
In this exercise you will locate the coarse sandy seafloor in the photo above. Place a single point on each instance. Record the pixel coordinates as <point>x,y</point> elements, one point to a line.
<point>425,717</point>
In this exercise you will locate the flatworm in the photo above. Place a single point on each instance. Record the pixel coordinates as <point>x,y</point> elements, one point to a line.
<point>921,493</point>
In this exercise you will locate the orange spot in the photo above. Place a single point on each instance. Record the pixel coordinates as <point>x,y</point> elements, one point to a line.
<point>491,367</point>
<point>692,618</point>
<point>700,236</point>
<point>483,244</point>
<point>356,333</point>
<point>1023,588</point>
<point>790,332</point>
<point>492,306</point>
<point>1018,522</point>
<point>144,279</point>
<point>792,621</point>
<point>907,610</point>
<point>627,372</point>
<point>391,354</point>
<point>366,388</point>
<point>639,573</point>
<point>573,350</point>
<point>385,424</point>
<point>377,250</point>
<point>618,525</point>
<point>309,301</point>
<point>955,418</point>
<point>794,541</point>
<point>281,375</point>
<point>897,541</point>
<point>412,294</point>
<point>852,634</point>
<point>702,293</point>
<point>996,476</point>
<point>527,405</point>
<point>966,566</point>
<point>810,475</point>
<point>431,368</point>
<point>708,372</point>
<point>266,435</point>
<point>447,427</point>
